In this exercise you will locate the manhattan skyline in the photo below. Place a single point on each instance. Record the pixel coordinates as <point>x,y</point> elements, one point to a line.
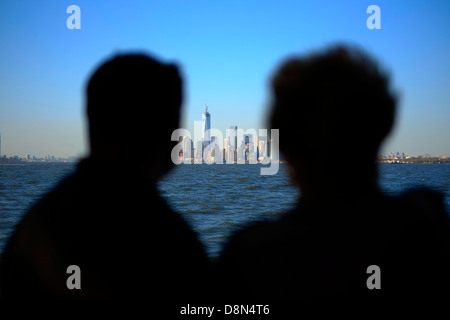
<point>227,51</point>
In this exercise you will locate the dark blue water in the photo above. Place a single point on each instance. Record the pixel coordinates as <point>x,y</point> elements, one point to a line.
<point>217,199</point>
<point>214,199</point>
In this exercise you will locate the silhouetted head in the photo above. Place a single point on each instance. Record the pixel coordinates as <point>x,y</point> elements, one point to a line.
<point>133,105</point>
<point>333,110</point>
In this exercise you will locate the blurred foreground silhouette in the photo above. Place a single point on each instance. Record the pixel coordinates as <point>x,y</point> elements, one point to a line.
<point>107,217</point>
<point>331,103</point>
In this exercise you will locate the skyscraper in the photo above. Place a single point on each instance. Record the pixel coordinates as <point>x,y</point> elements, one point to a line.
<point>187,148</point>
<point>257,148</point>
<point>262,148</point>
<point>247,146</point>
<point>234,143</point>
<point>247,138</point>
<point>206,126</point>
<point>199,153</point>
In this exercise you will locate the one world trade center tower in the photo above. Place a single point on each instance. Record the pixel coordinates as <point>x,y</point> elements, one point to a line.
<point>206,126</point>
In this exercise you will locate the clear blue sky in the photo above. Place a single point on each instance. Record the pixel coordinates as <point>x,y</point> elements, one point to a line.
<point>227,51</point>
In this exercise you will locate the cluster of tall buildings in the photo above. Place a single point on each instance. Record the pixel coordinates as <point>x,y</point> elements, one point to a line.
<point>238,146</point>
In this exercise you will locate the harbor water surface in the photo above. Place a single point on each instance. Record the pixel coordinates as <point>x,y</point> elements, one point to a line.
<point>214,199</point>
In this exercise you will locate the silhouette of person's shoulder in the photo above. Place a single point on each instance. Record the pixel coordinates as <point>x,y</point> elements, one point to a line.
<point>113,224</point>
<point>417,258</point>
<point>108,218</point>
<point>325,249</point>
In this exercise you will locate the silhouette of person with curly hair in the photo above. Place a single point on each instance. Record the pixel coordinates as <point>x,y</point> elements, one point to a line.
<point>328,105</point>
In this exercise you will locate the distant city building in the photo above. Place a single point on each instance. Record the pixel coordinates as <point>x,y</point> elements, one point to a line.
<point>188,148</point>
<point>262,148</point>
<point>257,148</point>
<point>206,126</point>
<point>249,153</point>
<point>247,139</point>
<point>206,133</point>
<point>199,153</point>
<point>215,150</point>
<point>228,153</point>
<point>234,144</point>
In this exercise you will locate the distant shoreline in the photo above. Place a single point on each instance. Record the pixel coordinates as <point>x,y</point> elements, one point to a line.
<point>17,161</point>
<point>412,160</point>
<point>415,160</point>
